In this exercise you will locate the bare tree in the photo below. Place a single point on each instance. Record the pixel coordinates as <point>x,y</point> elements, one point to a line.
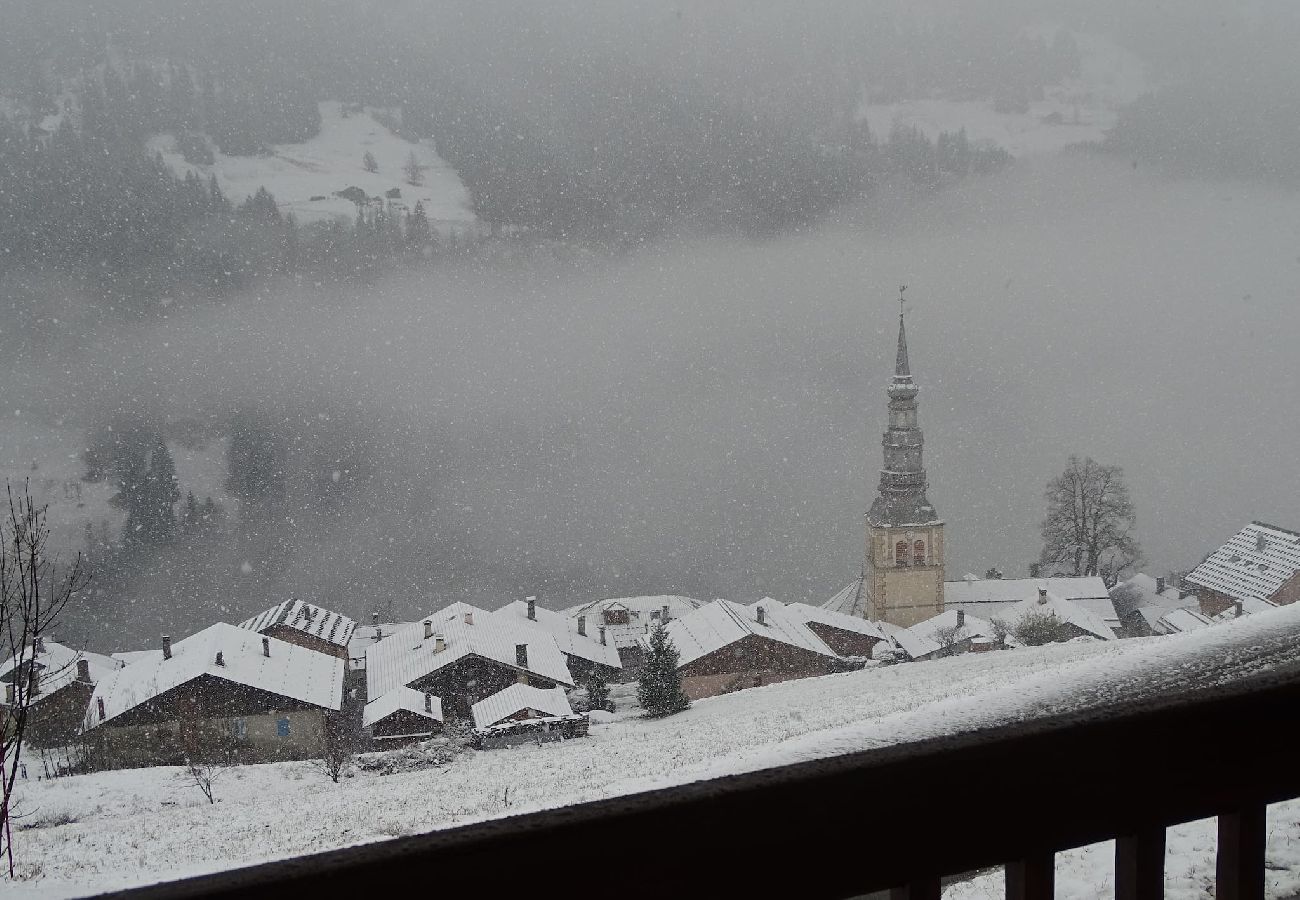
<point>413,171</point>
<point>201,775</point>
<point>34,591</point>
<point>948,638</point>
<point>338,747</point>
<point>1089,524</point>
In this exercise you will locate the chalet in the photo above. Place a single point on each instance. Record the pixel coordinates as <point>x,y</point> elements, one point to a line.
<point>523,713</point>
<point>1141,601</point>
<point>1259,562</point>
<point>364,636</point>
<point>954,632</point>
<point>301,623</point>
<point>586,649</point>
<point>1178,621</point>
<point>993,598</point>
<point>225,692</point>
<point>1246,607</point>
<point>907,645</point>
<point>726,646</point>
<point>463,655</point>
<point>849,636</point>
<point>403,714</point>
<point>59,681</point>
<point>628,619</point>
<point>1076,620</point>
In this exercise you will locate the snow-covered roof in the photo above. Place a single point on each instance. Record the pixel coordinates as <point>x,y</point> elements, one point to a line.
<point>565,631</point>
<point>642,612</point>
<point>1140,591</point>
<point>1178,621</point>
<point>366,636</point>
<point>723,622</point>
<point>829,617</point>
<point>518,697</point>
<point>398,700</point>
<point>994,598</point>
<point>1249,606</point>
<point>57,664</point>
<point>850,601</point>
<point>1255,562</point>
<point>290,671</point>
<point>973,626</point>
<point>331,627</point>
<point>407,655</point>
<point>914,644</point>
<point>126,657</point>
<point>1068,611</point>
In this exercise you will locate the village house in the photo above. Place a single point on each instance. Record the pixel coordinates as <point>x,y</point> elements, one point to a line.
<point>1259,562</point>
<point>587,648</point>
<point>1246,607</point>
<point>955,631</point>
<point>849,636</point>
<point>301,623</point>
<point>60,681</point>
<point>403,714</point>
<point>1075,619</point>
<point>1141,601</point>
<point>522,714</point>
<point>725,646</point>
<point>365,636</point>
<point>628,619</point>
<point>224,693</point>
<point>463,654</point>
<point>993,598</point>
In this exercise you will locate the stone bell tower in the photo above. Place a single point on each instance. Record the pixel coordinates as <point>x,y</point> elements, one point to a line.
<point>902,571</point>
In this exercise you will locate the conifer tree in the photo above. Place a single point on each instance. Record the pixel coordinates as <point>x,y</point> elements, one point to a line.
<point>369,162</point>
<point>597,689</point>
<point>659,689</point>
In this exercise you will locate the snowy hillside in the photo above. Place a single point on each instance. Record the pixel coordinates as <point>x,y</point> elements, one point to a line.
<point>114,829</point>
<point>1081,109</point>
<point>332,162</point>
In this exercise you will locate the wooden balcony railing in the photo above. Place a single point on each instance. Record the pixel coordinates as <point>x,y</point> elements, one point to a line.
<point>1189,737</point>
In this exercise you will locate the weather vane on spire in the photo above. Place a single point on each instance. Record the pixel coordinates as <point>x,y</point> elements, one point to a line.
<point>902,288</point>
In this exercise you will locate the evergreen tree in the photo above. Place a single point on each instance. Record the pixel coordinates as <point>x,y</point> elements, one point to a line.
<point>153,519</point>
<point>659,690</point>
<point>419,234</point>
<point>413,171</point>
<point>597,689</point>
<point>369,162</point>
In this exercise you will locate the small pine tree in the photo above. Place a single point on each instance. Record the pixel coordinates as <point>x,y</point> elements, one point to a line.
<point>659,690</point>
<point>413,171</point>
<point>369,162</point>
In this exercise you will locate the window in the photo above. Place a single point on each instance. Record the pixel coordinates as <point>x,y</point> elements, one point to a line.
<point>282,727</point>
<point>918,553</point>
<point>900,553</point>
<point>239,728</point>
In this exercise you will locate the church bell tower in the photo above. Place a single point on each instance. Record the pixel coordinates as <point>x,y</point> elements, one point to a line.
<point>902,571</point>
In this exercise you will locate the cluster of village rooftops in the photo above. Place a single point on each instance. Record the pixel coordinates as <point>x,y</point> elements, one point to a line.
<point>287,681</point>
<point>271,684</point>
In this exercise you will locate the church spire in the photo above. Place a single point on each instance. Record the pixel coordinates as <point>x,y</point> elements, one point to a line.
<point>901,368</point>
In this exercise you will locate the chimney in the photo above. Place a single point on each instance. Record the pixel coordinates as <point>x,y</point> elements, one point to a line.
<point>101,708</point>
<point>762,616</point>
<point>83,670</point>
<point>1237,605</point>
<point>167,646</point>
<point>469,618</point>
<point>1042,595</point>
<point>1160,585</point>
<point>428,629</point>
<point>961,618</point>
<point>582,625</point>
<point>1261,542</point>
<point>266,646</point>
<point>602,635</point>
<point>439,643</point>
<point>428,703</point>
<point>221,660</point>
<point>9,693</point>
<point>664,615</point>
<point>374,618</point>
<point>532,608</point>
<point>521,655</point>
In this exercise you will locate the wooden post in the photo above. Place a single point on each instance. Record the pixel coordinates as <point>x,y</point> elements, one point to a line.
<point>921,889</point>
<point>1140,865</point>
<point>1032,878</point>
<point>1240,868</point>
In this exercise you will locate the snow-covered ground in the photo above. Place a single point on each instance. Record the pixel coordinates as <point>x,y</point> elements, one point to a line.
<point>1081,109</point>
<point>331,162</point>
<point>132,827</point>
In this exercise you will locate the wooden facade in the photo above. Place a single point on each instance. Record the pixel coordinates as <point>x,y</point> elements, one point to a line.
<point>752,661</point>
<point>843,642</point>
<point>471,679</point>
<point>300,638</point>
<point>403,724</point>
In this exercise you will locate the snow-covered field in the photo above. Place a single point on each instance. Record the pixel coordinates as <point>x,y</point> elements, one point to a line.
<point>116,829</point>
<point>331,162</point>
<point>1081,109</point>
